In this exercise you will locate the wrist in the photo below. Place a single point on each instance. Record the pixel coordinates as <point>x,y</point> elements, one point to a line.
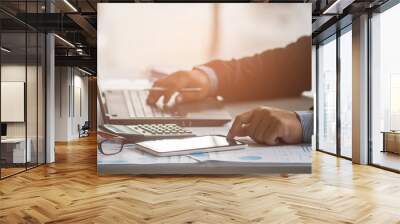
<point>211,76</point>
<point>203,79</point>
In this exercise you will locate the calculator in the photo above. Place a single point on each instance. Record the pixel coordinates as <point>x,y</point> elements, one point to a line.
<point>144,132</point>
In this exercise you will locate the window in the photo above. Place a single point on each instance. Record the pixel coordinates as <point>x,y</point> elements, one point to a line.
<point>385,86</point>
<point>335,74</point>
<point>346,93</point>
<point>327,96</point>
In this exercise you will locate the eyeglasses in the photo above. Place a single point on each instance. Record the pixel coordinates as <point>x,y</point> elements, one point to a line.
<point>109,144</point>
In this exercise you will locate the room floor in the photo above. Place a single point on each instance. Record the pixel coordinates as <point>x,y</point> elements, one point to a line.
<point>387,159</point>
<point>70,191</point>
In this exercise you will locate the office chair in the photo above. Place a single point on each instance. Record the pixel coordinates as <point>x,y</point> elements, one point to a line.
<point>84,130</point>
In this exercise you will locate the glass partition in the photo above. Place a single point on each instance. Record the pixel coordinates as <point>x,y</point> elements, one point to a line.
<point>41,97</point>
<point>22,88</point>
<point>31,97</point>
<point>385,89</point>
<point>346,93</point>
<point>14,153</point>
<point>326,104</point>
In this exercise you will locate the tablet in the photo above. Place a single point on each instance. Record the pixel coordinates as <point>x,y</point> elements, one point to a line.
<point>185,146</point>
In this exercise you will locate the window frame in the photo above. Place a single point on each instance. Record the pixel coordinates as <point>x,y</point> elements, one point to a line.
<point>347,27</point>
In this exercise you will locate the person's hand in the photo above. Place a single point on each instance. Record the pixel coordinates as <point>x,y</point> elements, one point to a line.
<point>268,126</point>
<point>178,81</point>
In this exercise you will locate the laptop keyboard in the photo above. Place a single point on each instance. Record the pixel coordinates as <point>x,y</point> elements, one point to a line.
<point>137,106</point>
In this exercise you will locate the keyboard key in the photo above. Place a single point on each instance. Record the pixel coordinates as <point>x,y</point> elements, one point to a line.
<point>137,104</point>
<point>129,105</point>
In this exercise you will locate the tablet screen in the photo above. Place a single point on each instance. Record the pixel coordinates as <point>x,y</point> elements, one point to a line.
<point>191,143</point>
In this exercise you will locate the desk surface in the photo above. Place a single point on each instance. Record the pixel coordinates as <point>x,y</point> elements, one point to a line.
<point>297,161</point>
<point>391,132</point>
<point>13,140</point>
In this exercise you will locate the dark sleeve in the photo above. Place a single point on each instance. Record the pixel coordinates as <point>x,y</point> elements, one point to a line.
<point>280,72</point>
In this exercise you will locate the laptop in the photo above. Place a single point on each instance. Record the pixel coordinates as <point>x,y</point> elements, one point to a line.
<point>128,106</point>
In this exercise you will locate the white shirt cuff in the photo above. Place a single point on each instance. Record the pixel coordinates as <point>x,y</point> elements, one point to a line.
<point>212,77</point>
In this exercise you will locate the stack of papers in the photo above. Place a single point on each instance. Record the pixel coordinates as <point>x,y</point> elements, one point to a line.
<point>254,159</point>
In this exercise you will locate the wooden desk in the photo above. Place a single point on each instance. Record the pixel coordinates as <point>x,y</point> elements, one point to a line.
<point>279,161</point>
<point>391,141</point>
<point>13,150</point>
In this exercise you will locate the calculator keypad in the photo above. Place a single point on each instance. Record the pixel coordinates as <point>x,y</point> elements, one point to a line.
<point>161,130</point>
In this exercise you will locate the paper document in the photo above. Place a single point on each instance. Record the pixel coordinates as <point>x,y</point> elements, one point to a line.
<point>253,154</point>
<point>263,154</point>
<point>254,159</point>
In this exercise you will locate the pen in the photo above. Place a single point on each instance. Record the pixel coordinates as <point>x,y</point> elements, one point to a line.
<point>181,90</point>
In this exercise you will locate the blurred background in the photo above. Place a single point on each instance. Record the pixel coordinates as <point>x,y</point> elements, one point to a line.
<point>180,36</point>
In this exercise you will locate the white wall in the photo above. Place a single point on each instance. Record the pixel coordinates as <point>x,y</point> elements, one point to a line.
<point>14,73</point>
<point>79,117</point>
<point>70,83</point>
<point>62,82</point>
<point>17,73</point>
<point>34,126</point>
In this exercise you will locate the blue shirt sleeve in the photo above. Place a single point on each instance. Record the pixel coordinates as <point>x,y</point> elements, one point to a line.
<point>307,123</point>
